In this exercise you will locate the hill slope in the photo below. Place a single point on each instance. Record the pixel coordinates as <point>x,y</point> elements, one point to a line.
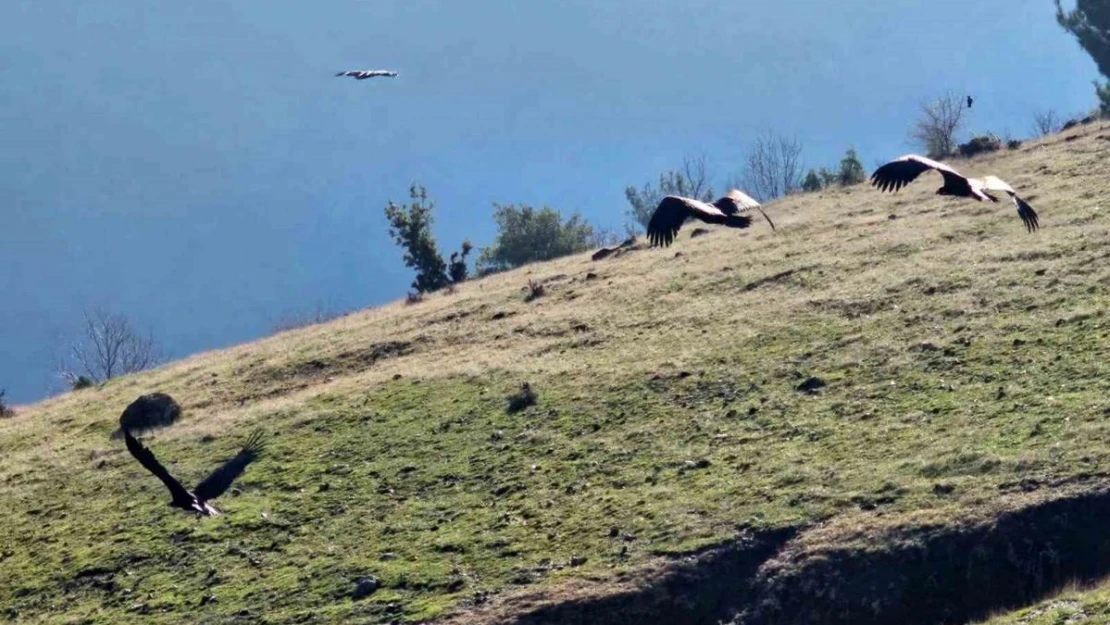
<point>964,370</point>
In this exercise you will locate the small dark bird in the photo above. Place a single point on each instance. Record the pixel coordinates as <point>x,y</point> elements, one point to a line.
<point>902,171</point>
<point>213,486</point>
<point>146,413</point>
<point>969,101</point>
<point>363,74</point>
<point>674,210</point>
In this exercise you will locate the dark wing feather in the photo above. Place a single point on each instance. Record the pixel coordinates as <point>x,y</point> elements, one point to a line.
<point>150,463</point>
<point>672,212</point>
<point>215,484</point>
<point>1027,214</point>
<point>902,171</point>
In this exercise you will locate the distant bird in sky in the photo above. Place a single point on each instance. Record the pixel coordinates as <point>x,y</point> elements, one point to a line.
<point>213,486</point>
<point>902,171</point>
<point>146,413</point>
<point>969,101</point>
<point>674,210</point>
<point>363,74</point>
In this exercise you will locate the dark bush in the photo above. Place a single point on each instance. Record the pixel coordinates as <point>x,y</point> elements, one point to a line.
<point>980,145</point>
<point>5,411</point>
<point>521,399</point>
<point>533,290</point>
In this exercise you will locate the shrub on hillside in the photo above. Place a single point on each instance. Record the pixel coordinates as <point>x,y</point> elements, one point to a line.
<point>5,411</point>
<point>980,145</point>
<point>521,399</point>
<point>851,170</point>
<point>526,235</point>
<point>812,181</point>
<point>457,270</point>
<point>533,290</point>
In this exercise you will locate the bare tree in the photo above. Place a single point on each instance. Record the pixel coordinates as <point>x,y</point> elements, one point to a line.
<point>320,314</point>
<point>110,346</point>
<point>604,236</point>
<point>1046,123</point>
<point>773,167</point>
<point>940,120</point>
<point>691,180</point>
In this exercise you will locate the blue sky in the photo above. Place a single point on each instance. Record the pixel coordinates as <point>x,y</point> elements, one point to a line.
<point>197,167</point>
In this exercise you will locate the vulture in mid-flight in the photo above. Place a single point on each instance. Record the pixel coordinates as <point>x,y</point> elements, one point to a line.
<point>673,211</point>
<point>363,74</point>
<point>902,171</point>
<point>211,487</point>
<point>146,413</point>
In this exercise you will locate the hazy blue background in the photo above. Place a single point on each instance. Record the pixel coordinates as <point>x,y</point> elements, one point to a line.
<point>197,167</point>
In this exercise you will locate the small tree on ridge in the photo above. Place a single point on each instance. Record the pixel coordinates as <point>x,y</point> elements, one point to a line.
<point>411,228</point>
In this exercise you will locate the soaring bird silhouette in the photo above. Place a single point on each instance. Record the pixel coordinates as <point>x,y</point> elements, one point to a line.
<point>363,74</point>
<point>211,487</point>
<point>902,171</point>
<point>674,210</point>
<point>146,413</point>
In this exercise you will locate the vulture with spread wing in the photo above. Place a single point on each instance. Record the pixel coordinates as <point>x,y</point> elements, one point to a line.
<point>211,487</point>
<point>902,171</point>
<point>148,412</point>
<point>363,74</point>
<point>673,211</point>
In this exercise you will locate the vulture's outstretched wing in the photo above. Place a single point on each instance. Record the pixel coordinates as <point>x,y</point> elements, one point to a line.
<point>146,413</point>
<point>672,212</point>
<point>215,484</point>
<point>362,74</point>
<point>1025,211</point>
<point>150,463</point>
<point>746,202</point>
<point>902,171</point>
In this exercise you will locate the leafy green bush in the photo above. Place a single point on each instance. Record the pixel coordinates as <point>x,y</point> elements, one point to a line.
<point>812,181</point>
<point>526,234</point>
<point>851,170</point>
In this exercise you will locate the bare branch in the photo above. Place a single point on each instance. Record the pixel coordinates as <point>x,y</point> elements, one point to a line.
<point>109,346</point>
<point>1046,123</point>
<point>940,120</point>
<point>773,167</point>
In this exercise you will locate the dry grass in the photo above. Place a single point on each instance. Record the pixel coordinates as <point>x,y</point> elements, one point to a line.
<point>957,348</point>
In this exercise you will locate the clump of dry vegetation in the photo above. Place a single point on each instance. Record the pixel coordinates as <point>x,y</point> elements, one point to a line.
<point>533,290</point>
<point>522,399</point>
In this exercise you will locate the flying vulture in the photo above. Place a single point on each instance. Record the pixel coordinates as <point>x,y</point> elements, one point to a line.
<point>213,486</point>
<point>902,171</point>
<point>363,74</point>
<point>146,413</point>
<point>673,211</point>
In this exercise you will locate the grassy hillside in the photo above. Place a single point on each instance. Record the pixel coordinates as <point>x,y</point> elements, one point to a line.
<point>961,357</point>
